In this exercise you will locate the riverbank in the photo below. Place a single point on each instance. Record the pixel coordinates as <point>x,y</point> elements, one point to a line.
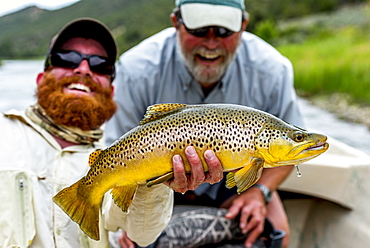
<point>343,107</point>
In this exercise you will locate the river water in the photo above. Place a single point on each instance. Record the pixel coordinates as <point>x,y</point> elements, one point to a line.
<point>18,85</point>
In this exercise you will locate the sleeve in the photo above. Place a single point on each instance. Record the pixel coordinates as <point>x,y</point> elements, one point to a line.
<point>148,214</point>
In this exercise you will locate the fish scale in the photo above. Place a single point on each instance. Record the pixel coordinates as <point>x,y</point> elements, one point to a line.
<point>243,139</point>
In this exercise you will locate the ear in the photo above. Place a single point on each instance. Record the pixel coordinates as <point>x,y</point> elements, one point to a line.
<point>174,21</point>
<point>245,24</point>
<point>112,90</point>
<point>40,77</point>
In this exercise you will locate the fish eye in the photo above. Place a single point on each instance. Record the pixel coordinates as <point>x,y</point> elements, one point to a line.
<point>298,136</point>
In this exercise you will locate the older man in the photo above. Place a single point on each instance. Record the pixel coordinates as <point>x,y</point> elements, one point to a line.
<point>207,57</point>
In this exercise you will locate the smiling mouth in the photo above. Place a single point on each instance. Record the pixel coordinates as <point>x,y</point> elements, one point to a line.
<point>79,87</point>
<point>209,57</point>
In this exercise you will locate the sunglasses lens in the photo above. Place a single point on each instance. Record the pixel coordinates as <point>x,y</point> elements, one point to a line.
<point>66,60</point>
<point>223,32</point>
<point>72,59</point>
<point>199,32</point>
<point>202,32</point>
<point>100,65</point>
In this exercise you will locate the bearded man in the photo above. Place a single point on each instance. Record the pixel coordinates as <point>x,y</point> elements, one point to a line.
<point>46,148</point>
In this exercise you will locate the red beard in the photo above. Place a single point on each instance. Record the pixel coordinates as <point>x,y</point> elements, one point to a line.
<point>85,112</point>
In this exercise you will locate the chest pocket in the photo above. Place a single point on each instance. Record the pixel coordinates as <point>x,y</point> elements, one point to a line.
<point>17,218</point>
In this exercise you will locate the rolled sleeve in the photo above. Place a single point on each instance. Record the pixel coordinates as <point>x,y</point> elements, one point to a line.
<point>148,214</point>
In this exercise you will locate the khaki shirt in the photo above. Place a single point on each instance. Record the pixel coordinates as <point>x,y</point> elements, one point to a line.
<point>33,168</point>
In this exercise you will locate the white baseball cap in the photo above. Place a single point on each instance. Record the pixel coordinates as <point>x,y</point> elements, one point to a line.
<point>202,13</point>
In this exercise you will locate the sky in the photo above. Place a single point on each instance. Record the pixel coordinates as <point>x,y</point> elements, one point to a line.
<point>9,6</point>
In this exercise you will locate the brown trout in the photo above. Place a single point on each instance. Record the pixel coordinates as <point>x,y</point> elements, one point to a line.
<point>243,138</point>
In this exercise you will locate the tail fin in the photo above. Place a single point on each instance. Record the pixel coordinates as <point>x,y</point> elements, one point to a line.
<point>79,209</point>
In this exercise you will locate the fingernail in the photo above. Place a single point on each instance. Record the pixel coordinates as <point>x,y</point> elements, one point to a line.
<point>176,158</point>
<point>190,151</point>
<point>209,155</point>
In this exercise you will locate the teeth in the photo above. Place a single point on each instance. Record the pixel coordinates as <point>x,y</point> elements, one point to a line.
<point>79,87</point>
<point>209,56</point>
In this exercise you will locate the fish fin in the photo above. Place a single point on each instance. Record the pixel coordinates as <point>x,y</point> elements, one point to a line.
<point>160,179</point>
<point>93,156</point>
<point>246,176</point>
<point>230,180</point>
<point>123,195</point>
<point>79,209</point>
<point>159,111</point>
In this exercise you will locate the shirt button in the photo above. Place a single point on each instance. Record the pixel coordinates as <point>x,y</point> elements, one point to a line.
<point>59,231</point>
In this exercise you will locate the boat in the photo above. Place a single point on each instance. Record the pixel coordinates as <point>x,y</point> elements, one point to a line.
<point>330,203</point>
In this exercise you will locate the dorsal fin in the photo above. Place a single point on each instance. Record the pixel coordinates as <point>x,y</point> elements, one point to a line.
<point>93,156</point>
<point>158,111</point>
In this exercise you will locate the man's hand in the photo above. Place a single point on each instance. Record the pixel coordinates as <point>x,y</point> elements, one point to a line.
<point>250,205</point>
<point>125,242</point>
<point>183,182</point>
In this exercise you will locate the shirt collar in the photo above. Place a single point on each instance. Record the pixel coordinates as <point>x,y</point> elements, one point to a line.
<point>22,117</point>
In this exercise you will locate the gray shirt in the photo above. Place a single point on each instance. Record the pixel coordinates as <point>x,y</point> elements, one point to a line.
<point>154,72</point>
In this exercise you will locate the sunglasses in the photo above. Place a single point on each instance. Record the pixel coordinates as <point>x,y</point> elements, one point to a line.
<point>202,32</point>
<point>72,59</point>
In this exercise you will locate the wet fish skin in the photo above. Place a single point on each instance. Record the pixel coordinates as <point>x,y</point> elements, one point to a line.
<point>243,138</point>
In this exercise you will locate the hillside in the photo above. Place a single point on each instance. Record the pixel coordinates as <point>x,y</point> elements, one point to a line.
<point>26,33</point>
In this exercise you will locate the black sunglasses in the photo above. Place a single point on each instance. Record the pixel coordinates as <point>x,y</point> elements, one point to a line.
<point>72,59</point>
<point>202,32</point>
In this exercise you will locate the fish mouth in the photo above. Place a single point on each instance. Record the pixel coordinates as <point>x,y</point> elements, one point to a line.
<point>306,154</point>
<point>317,147</point>
<point>316,150</point>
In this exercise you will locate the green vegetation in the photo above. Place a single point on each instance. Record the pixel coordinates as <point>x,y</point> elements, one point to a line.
<point>334,60</point>
<point>338,63</point>
<point>26,34</point>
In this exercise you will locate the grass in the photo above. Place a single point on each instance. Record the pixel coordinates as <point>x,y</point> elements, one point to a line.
<point>335,61</point>
<point>330,52</point>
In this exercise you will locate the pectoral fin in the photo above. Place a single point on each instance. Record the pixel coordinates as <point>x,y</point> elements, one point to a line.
<point>160,179</point>
<point>230,180</point>
<point>123,196</point>
<point>245,177</point>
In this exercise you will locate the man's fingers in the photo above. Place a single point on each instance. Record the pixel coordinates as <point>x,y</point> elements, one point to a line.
<point>215,169</point>
<point>183,181</point>
<point>179,183</point>
<point>125,242</point>
<point>178,170</point>
<point>197,171</point>
<point>233,211</point>
<point>254,234</point>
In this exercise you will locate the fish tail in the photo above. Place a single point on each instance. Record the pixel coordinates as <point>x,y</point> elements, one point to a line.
<point>82,211</point>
